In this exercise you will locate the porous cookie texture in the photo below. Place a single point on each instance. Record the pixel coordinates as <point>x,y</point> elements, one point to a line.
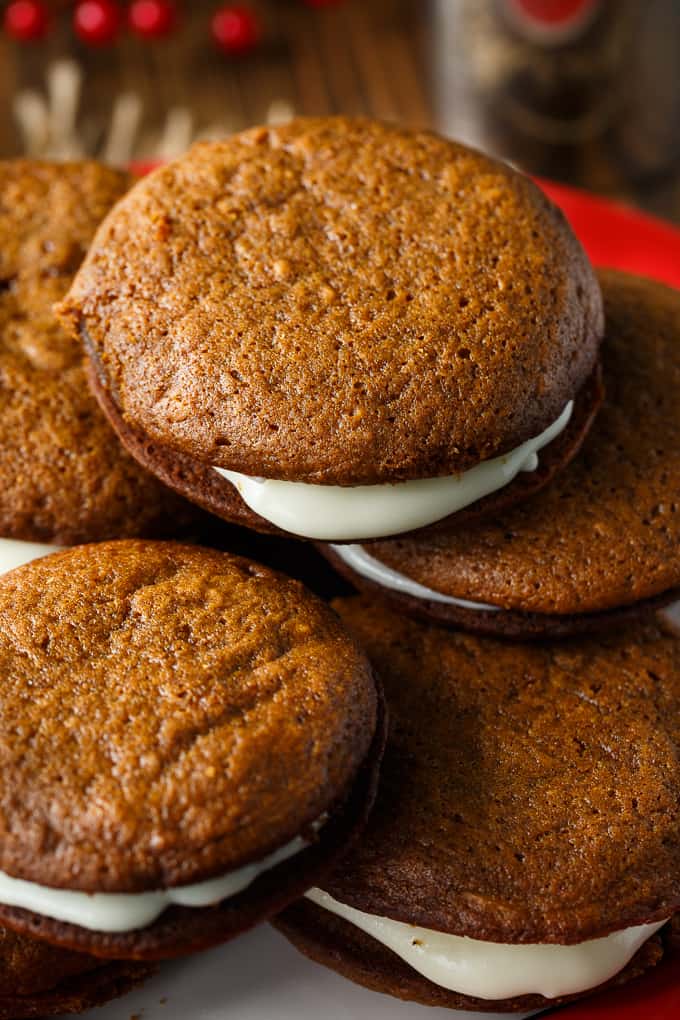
<point>39,980</point>
<point>189,716</point>
<point>64,477</point>
<point>529,793</point>
<point>337,301</point>
<point>602,540</point>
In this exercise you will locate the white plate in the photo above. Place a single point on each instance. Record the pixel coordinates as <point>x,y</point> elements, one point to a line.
<point>259,976</point>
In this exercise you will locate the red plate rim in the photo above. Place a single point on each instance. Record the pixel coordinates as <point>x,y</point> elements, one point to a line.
<point>618,236</point>
<point>652,996</point>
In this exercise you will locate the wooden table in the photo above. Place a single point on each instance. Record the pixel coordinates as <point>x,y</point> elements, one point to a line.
<point>376,57</point>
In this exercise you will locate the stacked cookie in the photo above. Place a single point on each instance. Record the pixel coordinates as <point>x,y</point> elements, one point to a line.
<point>63,479</point>
<point>187,739</point>
<point>598,546</point>
<point>390,347</point>
<point>341,331</point>
<point>63,476</point>
<point>200,742</point>
<point>524,845</point>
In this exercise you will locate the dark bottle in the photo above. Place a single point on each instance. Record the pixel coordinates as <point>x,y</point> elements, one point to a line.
<point>585,90</point>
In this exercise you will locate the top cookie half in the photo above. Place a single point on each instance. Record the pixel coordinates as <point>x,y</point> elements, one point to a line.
<point>337,302</point>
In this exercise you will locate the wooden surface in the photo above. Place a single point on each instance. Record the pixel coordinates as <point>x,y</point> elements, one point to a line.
<point>379,57</point>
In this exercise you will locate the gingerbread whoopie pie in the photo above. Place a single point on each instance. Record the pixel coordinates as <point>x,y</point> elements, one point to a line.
<point>523,848</point>
<point>341,329</point>
<point>597,545</point>
<point>64,477</point>
<point>40,980</point>
<point>184,750</point>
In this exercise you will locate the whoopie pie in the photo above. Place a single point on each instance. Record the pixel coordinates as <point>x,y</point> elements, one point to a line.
<point>341,329</point>
<point>523,849</point>
<point>596,547</point>
<point>187,741</point>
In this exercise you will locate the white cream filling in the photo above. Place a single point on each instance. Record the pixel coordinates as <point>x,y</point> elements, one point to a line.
<point>121,912</point>
<point>338,513</point>
<point>14,553</point>
<point>494,970</point>
<point>356,557</point>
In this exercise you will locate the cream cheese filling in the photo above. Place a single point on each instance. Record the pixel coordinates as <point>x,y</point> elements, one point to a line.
<point>338,513</point>
<point>356,557</point>
<point>122,912</point>
<point>495,970</point>
<point>14,553</point>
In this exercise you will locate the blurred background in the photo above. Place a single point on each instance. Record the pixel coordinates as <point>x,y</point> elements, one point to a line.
<point>583,91</point>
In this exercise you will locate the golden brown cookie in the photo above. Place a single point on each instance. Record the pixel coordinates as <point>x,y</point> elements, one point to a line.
<point>529,794</point>
<point>64,477</point>
<point>198,731</point>
<point>597,546</point>
<point>335,302</point>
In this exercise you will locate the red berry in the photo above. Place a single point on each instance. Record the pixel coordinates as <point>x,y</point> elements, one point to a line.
<point>236,29</point>
<point>97,22</point>
<point>26,20</point>
<point>152,19</point>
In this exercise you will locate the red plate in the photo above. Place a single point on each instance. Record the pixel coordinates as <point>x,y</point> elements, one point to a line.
<point>654,996</point>
<point>615,235</point>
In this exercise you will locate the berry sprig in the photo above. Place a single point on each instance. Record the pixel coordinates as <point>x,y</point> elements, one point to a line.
<point>236,29</point>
